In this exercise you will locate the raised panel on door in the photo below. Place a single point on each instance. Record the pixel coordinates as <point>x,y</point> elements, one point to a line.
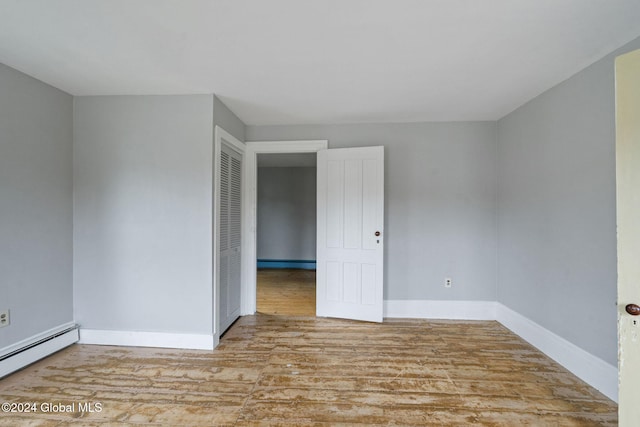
<point>334,204</point>
<point>352,213</point>
<point>350,256</point>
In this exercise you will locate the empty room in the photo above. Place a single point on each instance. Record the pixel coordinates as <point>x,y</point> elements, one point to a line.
<point>354,212</point>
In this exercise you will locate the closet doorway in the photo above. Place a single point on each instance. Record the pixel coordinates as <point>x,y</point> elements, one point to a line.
<point>227,223</point>
<point>286,234</point>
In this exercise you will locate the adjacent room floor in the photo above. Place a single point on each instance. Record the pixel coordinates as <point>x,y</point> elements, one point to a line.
<point>281,370</point>
<point>286,292</point>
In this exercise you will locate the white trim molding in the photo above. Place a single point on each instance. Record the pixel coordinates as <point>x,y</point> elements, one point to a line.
<point>589,368</point>
<point>432,309</point>
<point>301,146</point>
<point>53,340</point>
<point>148,339</point>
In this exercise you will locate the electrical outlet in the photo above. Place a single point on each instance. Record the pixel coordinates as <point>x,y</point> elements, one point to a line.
<point>448,282</point>
<point>4,318</point>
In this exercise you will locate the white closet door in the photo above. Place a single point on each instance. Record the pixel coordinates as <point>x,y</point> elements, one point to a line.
<point>230,233</point>
<point>350,233</point>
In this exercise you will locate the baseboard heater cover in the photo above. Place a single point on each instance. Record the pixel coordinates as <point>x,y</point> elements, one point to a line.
<point>287,263</point>
<point>38,349</point>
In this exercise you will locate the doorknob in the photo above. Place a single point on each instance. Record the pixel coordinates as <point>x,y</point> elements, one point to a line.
<point>633,309</point>
<point>377,233</point>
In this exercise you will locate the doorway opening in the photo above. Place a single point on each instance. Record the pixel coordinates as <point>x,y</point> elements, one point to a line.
<point>250,252</point>
<point>286,234</point>
<point>350,228</point>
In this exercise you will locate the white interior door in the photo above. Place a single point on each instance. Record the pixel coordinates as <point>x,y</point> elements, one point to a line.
<point>628,213</point>
<point>350,254</point>
<point>230,235</point>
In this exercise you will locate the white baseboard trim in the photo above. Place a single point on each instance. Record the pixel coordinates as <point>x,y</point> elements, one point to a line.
<point>147,339</point>
<point>589,368</point>
<point>432,309</point>
<point>39,351</point>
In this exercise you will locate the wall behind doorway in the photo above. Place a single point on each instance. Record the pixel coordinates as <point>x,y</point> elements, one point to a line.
<point>286,217</point>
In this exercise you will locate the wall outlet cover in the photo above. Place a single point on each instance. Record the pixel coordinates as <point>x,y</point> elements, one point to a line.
<point>4,318</point>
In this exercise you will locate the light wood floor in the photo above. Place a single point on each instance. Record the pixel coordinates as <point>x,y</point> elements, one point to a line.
<point>286,292</point>
<point>278,370</point>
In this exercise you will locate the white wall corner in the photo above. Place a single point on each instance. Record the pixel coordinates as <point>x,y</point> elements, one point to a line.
<point>589,368</point>
<point>431,309</point>
<point>148,339</point>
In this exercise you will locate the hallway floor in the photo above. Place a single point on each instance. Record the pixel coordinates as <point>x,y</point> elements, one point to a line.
<point>289,292</point>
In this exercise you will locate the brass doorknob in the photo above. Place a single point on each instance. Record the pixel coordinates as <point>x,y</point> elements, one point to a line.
<point>633,309</point>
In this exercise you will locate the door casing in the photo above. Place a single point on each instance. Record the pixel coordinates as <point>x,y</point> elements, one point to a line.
<point>250,201</point>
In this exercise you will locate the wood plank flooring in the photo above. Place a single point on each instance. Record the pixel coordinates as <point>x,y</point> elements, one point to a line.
<point>288,292</point>
<point>279,370</point>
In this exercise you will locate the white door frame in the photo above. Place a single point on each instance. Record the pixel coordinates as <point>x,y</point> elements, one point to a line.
<point>219,135</point>
<point>250,201</point>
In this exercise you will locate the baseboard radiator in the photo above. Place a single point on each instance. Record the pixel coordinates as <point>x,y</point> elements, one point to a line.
<point>26,352</point>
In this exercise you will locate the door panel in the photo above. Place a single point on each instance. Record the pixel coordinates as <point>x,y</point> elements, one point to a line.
<point>353,204</point>
<point>368,276</point>
<point>350,212</point>
<point>230,235</point>
<point>334,203</point>
<point>628,212</point>
<point>350,282</point>
<point>370,220</point>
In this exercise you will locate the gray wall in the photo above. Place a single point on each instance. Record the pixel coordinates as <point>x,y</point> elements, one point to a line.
<point>286,213</point>
<point>226,119</point>
<point>142,213</point>
<point>557,230</point>
<point>440,197</point>
<point>36,199</point>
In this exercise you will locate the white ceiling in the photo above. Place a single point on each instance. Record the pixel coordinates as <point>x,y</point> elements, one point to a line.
<point>318,61</point>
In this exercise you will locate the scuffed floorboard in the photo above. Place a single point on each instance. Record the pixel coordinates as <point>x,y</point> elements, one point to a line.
<point>277,371</point>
